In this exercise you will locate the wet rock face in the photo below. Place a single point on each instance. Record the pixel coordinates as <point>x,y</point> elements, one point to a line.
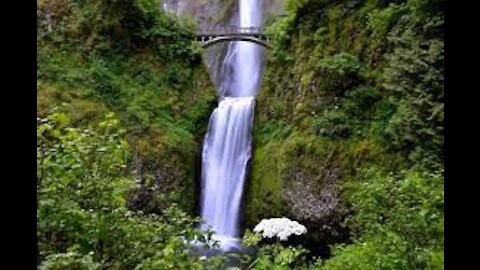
<point>314,200</point>
<point>299,178</point>
<point>217,12</point>
<point>312,193</point>
<point>210,12</point>
<point>308,202</point>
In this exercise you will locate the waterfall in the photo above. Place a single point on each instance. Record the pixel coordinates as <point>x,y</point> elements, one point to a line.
<point>227,144</point>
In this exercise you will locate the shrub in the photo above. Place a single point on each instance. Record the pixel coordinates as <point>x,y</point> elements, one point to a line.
<point>398,222</point>
<point>276,256</point>
<point>415,75</point>
<point>82,183</point>
<point>333,124</point>
<point>340,64</point>
<point>69,260</point>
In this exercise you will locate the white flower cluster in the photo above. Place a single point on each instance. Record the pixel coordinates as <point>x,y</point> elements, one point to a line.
<point>279,227</point>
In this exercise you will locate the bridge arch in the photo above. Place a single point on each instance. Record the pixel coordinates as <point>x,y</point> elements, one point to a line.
<point>215,40</point>
<point>211,36</point>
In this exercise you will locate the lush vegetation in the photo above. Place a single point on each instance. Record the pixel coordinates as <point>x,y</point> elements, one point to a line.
<point>100,202</point>
<point>99,56</point>
<point>348,137</point>
<point>349,132</point>
<point>83,221</point>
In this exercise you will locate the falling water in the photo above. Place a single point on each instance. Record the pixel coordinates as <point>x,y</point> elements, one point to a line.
<point>227,144</point>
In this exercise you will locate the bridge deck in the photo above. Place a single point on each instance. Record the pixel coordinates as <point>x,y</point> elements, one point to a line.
<point>213,35</point>
<point>231,31</point>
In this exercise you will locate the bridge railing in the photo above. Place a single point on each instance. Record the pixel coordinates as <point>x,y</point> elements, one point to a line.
<point>230,30</point>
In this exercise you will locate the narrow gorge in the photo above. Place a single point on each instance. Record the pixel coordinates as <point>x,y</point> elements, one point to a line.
<point>323,151</point>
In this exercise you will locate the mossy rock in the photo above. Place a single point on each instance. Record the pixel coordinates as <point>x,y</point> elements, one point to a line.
<point>298,177</point>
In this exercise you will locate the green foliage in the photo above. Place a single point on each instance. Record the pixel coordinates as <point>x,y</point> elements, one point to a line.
<point>250,238</point>
<point>75,151</point>
<point>117,55</point>
<point>341,64</point>
<point>348,85</point>
<point>399,223</point>
<point>133,73</point>
<point>339,73</point>
<point>360,112</point>
<point>411,206</point>
<point>265,190</point>
<point>107,26</point>
<point>385,252</point>
<point>380,21</point>
<point>272,130</point>
<point>363,80</point>
<point>81,187</point>
<point>276,256</point>
<point>333,124</point>
<point>69,260</point>
<point>415,75</point>
<point>280,31</point>
<point>377,71</point>
<point>360,103</point>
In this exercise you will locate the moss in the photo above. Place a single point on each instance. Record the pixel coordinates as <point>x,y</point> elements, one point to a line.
<point>164,160</point>
<point>81,111</point>
<point>274,166</point>
<point>123,64</point>
<point>265,196</point>
<point>328,108</point>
